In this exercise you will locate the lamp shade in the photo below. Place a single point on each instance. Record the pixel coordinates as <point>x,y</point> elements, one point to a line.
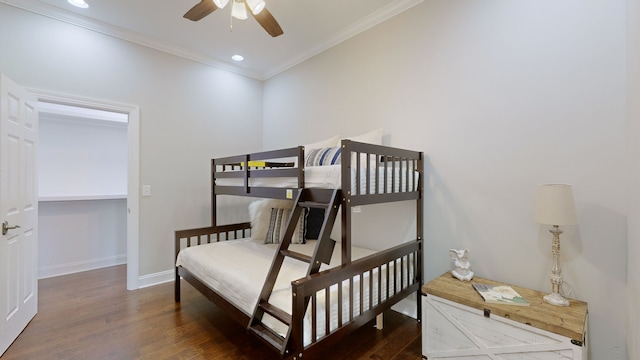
<point>555,205</point>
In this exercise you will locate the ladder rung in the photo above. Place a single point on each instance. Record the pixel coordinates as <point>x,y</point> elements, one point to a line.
<point>313,204</point>
<point>276,312</point>
<point>296,255</point>
<point>268,336</point>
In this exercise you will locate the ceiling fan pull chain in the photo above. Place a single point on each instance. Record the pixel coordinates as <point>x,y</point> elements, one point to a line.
<point>233,3</point>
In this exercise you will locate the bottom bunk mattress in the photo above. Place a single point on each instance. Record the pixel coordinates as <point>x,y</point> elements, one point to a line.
<point>237,269</point>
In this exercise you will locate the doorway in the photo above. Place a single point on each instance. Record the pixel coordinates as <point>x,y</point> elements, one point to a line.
<point>132,114</point>
<point>82,189</point>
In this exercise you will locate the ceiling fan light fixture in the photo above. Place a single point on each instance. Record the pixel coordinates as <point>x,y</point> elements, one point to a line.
<point>239,11</point>
<point>256,6</point>
<point>221,3</point>
<point>78,3</point>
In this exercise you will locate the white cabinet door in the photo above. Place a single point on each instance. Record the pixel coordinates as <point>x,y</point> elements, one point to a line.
<point>454,331</point>
<point>19,209</point>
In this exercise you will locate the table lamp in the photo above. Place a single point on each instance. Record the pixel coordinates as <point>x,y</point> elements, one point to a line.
<point>555,206</point>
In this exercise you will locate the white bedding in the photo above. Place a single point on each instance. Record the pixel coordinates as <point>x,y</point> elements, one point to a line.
<point>237,269</point>
<point>328,176</point>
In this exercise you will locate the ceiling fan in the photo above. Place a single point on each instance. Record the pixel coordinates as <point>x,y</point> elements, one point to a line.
<point>239,10</point>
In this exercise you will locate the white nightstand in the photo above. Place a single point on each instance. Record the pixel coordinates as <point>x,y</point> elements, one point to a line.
<point>458,324</point>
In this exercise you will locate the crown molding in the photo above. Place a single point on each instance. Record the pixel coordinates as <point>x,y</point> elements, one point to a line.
<point>364,24</point>
<point>117,32</point>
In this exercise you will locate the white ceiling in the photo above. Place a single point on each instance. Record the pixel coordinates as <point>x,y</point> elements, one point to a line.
<point>310,27</point>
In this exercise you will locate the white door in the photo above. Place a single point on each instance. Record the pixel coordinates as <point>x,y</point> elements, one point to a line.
<point>18,210</point>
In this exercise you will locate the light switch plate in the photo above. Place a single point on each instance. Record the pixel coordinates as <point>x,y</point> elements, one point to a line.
<point>146,190</point>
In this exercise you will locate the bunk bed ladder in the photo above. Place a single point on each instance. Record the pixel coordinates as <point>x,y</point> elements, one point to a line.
<point>328,199</point>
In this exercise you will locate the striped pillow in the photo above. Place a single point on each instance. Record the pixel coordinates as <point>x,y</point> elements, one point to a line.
<point>278,226</point>
<point>323,156</point>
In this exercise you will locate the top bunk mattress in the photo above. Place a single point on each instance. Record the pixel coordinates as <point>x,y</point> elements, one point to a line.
<point>329,177</point>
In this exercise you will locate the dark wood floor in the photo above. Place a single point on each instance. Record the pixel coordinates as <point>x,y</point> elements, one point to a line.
<point>91,315</point>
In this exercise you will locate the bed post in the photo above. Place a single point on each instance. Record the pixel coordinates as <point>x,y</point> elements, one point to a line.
<point>420,233</point>
<point>345,158</point>
<point>213,194</point>
<point>176,288</point>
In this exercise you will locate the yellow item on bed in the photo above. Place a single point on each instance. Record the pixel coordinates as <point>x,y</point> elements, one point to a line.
<point>255,163</point>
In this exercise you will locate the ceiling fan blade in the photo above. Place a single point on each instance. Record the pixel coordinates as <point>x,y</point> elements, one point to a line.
<point>267,21</point>
<point>202,9</point>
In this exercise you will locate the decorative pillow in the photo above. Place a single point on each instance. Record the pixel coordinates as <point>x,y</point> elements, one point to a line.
<point>260,217</point>
<point>332,141</point>
<point>323,156</point>
<point>278,226</point>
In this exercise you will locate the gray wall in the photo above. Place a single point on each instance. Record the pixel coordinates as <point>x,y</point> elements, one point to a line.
<point>189,113</point>
<point>99,229</point>
<point>501,96</point>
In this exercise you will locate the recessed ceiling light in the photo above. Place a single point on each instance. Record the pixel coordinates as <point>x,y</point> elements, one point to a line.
<point>78,3</point>
<point>237,57</point>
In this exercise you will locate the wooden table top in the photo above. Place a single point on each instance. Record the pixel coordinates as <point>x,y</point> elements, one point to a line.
<point>569,321</point>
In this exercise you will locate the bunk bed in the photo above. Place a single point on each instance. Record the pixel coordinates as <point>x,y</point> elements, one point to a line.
<point>314,292</point>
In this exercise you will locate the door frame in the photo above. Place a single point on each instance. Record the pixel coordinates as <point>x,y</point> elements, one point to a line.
<point>133,173</point>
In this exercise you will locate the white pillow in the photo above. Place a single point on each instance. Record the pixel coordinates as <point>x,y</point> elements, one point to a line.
<point>260,216</point>
<point>372,137</point>
<point>330,142</point>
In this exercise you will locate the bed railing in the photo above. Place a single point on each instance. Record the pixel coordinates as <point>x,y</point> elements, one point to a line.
<point>373,174</point>
<point>284,163</point>
<point>394,274</point>
<point>370,173</point>
<point>205,235</point>
<point>211,234</point>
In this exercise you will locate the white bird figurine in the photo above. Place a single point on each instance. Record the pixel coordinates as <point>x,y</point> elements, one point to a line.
<point>460,266</point>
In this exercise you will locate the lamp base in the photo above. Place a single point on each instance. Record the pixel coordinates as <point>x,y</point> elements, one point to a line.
<point>556,299</point>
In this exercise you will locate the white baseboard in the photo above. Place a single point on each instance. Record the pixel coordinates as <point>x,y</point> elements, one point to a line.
<point>70,268</point>
<point>156,278</point>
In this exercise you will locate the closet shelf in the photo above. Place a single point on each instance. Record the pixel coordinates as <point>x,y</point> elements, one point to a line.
<point>82,197</point>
